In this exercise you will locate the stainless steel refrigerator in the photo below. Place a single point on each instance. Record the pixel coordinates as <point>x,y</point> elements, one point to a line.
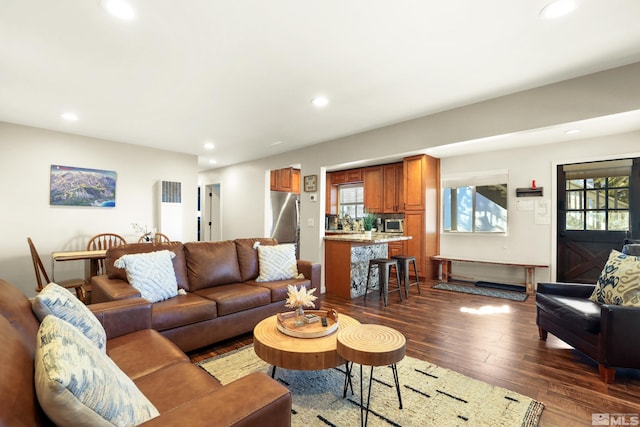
<point>285,218</point>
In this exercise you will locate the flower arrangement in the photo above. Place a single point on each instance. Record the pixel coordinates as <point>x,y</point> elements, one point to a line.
<point>144,232</point>
<point>300,297</point>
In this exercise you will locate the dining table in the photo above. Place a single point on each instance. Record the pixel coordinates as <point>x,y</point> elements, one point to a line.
<point>91,258</point>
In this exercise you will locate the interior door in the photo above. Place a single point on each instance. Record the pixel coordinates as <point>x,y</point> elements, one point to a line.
<point>598,207</point>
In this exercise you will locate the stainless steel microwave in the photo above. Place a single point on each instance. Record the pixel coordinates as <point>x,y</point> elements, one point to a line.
<point>394,225</point>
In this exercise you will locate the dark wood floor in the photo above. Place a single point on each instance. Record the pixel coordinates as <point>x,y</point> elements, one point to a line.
<point>460,332</point>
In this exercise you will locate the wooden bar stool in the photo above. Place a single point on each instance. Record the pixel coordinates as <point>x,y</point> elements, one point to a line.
<point>384,273</point>
<point>404,262</point>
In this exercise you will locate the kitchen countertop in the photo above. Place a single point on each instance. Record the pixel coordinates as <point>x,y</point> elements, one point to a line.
<point>364,238</point>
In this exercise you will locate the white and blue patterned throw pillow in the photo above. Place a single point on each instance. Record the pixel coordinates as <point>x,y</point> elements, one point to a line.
<point>277,262</point>
<point>58,301</point>
<point>77,385</point>
<point>151,273</point>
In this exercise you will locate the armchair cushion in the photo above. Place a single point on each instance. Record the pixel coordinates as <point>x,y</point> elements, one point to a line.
<point>619,281</point>
<point>578,312</point>
<point>78,385</point>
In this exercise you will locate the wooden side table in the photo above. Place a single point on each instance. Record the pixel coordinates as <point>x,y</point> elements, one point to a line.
<point>371,345</point>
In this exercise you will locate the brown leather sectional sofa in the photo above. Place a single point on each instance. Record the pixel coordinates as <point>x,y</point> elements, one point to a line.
<point>222,297</point>
<point>184,394</point>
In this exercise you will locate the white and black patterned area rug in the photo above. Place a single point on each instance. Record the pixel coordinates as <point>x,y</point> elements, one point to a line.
<point>431,396</point>
<point>488,292</point>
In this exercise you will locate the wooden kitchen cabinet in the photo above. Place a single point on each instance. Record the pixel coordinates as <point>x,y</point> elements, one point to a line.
<point>393,185</point>
<point>295,181</point>
<point>286,179</point>
<point>331,202</point>
<point>396,248</point>
<point>373,182</point>
<point>422,210</point>
<point>348,176</point>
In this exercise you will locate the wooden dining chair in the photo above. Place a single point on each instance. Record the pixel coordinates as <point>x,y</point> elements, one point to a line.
<point>104,241</point>
<point>158,238</point>
<point>42,278</point>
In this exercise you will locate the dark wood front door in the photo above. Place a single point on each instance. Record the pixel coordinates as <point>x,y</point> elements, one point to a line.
<point>599,199</point>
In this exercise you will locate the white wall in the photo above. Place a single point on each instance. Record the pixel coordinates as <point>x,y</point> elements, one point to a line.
<point>26,156</point>
<point>526,241</point>
<point>244,186</point>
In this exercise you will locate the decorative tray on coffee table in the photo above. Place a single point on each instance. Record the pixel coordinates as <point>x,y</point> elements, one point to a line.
<point>285,324</point>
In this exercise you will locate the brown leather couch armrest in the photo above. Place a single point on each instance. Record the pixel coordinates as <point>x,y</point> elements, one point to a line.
<point>123,317</point>
<point>254,400</point>
<point>312,272</point>
<point>104,289</point>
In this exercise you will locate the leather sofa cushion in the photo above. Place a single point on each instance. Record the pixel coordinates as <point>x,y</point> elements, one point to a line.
<point>174,385</point>
<point>279,288</point>
<point>182,310</point>
<point>211,264</point>
<point>576,313</point>
<point>158,353</point>
<point>236,297</point>
<point>179,264</point>
<point>248,256</point>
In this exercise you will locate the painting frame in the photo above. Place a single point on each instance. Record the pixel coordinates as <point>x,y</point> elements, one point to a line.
<point>82,187</point>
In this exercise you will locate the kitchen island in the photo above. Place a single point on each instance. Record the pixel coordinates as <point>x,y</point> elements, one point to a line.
<point>346,260</point>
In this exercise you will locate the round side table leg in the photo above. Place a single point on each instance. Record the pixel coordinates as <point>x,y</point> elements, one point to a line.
<point>363,421</point>
<point>273,372</point>
<point>394,368</point>
<point>347,379</point>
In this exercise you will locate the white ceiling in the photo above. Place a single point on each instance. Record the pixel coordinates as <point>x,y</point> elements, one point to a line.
<point>241,73</point>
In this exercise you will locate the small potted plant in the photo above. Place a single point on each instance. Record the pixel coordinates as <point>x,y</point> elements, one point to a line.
<point>368,221</point>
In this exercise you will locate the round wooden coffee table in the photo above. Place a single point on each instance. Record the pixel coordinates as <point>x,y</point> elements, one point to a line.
<point>371,345</point>
<point>304,354</point>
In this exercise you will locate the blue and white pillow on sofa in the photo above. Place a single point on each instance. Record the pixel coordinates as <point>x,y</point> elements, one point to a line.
<point>78,385</point>
<point>151,273</point>
<point>55,300</point>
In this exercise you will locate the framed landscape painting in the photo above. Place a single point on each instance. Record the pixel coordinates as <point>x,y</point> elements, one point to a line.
<point>71,186</point>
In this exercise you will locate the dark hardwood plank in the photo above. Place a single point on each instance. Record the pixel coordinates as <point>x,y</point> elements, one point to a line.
<point>500,348</point>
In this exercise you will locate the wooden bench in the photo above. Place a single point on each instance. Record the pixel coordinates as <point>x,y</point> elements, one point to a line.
<point>529,269</point>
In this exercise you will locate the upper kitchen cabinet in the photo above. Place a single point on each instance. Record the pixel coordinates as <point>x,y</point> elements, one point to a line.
<point>331,205</point>
<point>346,176</point>
<point>393,184</point>
<point>415,171</point>
<point>373,188</point>
<point>286,179</point>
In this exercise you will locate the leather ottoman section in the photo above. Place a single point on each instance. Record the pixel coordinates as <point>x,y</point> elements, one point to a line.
<point>211,264</point>
<point>582,313</point>
<point>248,256</point>
<point>236,297</point>
<point>176,384</point>
<point>182,310</point>
<point>143,352</point>
<point>279,288</point>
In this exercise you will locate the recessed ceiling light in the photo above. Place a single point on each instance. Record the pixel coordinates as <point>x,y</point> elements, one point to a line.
<point>213,162</point>
<point>320,101</point>
<point>69,116</point>
<point>209,146</point>
<point>558,8</point>
<point>572,131</point>
<point>276,143</point>
<point>119,8</point>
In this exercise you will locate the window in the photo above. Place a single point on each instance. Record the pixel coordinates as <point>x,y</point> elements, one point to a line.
<point>351,200</point>
<point>475,204</point>
<point>597,196</point>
